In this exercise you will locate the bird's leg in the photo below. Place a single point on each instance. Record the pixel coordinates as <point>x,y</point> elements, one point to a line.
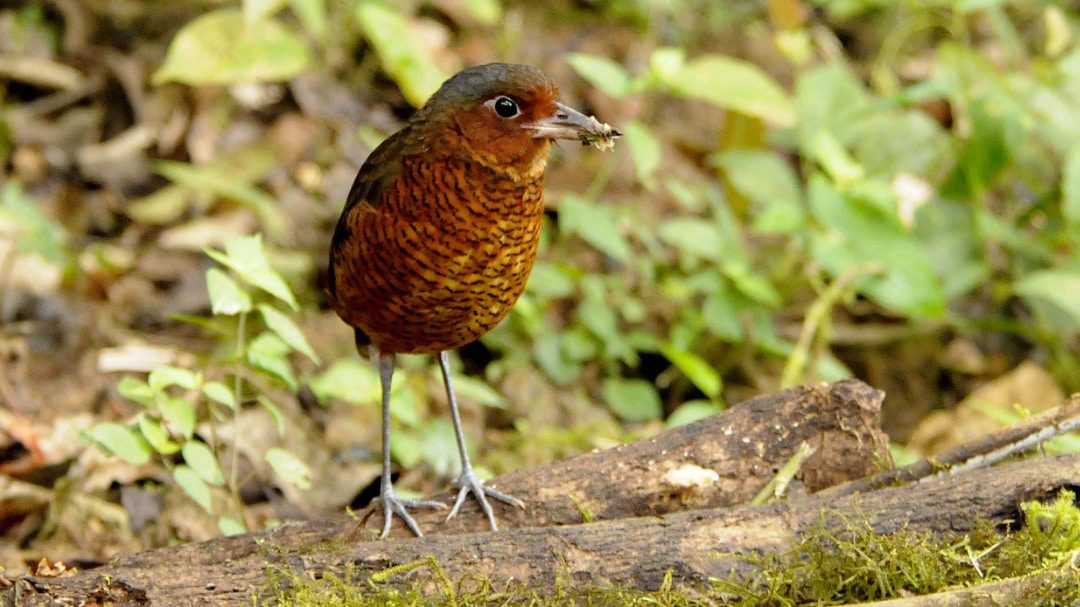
<point>391,503</point>
<point>468,482</point>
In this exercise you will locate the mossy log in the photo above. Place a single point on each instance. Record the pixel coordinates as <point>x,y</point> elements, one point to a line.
<point>635,552</point>
<point>633,540</point>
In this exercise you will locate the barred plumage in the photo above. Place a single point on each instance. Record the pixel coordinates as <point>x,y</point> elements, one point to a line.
<point>440,231</point>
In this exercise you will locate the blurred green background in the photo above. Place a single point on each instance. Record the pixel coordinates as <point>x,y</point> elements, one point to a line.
<point>806,190</point>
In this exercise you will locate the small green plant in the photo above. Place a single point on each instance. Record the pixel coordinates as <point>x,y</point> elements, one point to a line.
<point>182,408</point>
<point>243,45</point>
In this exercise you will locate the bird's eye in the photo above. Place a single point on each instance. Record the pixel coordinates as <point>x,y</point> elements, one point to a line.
<point>506,107</point>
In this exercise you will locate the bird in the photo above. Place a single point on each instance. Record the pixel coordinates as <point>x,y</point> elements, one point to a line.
<point>439,233</point>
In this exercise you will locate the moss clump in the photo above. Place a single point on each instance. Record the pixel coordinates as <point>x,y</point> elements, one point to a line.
<point>470,591</point>
<point>842,561</point>
<point>836,562</point>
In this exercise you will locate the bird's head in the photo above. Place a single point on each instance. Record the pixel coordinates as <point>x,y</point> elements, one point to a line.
<point>506,116</point>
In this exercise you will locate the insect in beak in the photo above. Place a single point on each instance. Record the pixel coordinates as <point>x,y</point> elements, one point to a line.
<point>568,123</point>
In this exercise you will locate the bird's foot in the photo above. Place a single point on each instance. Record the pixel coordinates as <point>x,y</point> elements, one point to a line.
<point>392,504</point>
<point>470,484</point>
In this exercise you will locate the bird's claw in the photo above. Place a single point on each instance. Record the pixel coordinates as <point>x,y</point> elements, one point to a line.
<point>470,484</point>
<point>392,505</point>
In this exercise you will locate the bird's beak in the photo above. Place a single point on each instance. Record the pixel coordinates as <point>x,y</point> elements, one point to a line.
<point>568,123</point>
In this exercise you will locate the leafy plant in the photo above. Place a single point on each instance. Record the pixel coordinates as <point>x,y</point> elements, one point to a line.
<point>852,189</point>
<point>178,425</point>
<point>228,45</point>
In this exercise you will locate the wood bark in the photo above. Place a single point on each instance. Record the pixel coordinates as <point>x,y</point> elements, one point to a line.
<point>642,526</point>
<point>634,552</point>
<point>744,445</point>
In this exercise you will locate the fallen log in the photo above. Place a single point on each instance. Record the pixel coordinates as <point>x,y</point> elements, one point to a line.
<point>634,552</point>
<point>745,446</point>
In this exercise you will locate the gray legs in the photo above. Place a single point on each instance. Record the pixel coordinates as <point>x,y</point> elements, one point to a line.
<point>468,481</point>
<point>391,503</point>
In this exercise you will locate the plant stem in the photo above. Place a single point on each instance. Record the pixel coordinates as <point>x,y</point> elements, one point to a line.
<point>234,467</point>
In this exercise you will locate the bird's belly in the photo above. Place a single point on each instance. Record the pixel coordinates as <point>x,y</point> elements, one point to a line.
<point>448,285</point>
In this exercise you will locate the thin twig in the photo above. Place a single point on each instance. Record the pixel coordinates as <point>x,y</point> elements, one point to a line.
<point>778,484</point>
<point>816,316</point>
<point>234,467</point>
<point>980,453</point>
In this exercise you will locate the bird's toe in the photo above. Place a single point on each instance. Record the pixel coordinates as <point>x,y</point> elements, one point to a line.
<point>469,484</point>
<point>395,506</point>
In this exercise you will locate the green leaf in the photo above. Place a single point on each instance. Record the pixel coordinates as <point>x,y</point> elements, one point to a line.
<point>1059,287</point>
<point>752,284</point>
<point>401,51</point>
<point>121,441</point>
<point>691,411</point>
<point>550,355</point>
<point>438,447</point>
<point>830,98</point>
<point>406,447</point>
<point>968,6</point>
<point>770,184</point>
<point>549,281</point>
<point>275,413</point>
<point>1070,185</point>
<point>836,160</point>
<point>156,434</point>
<point>857,233</point>
<point>168,375</point>
<point>268,353</point>
<point>289,468</point>
<point>256,10</point>
<point>179,415</point>
<point>407,402</point>
<point>646,151</point>
<point>601,72</point>
<point>736,85</point>
<point>162,207</point>
<point>36,231</point>
<point>893,141</point>
<point>693,238</point>
<point>996,131</point>
<point>219,392</point>
<point>312,13</point>
<point>350,380</point>
<point>633,400</point>
<point>478,391</point>
<point>202,460</point>
<point>696,369</point>
<point>193,485</point>
<point>136,390</point>
<point>229,525</point>
<point>221,47</point>
<point>287,330</point>
<point>666,62</point>
<point>245,256</point>
<point>224,183</point>
<point>596,313</point>
<point>226,297</point>
<point>954,245</point>
<point>595,224</point>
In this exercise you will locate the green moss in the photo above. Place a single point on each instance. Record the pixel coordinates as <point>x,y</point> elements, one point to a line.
<point>837,561</point>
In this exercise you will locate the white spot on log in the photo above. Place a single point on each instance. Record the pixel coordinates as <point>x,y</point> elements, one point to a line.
<point>691,475</point>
